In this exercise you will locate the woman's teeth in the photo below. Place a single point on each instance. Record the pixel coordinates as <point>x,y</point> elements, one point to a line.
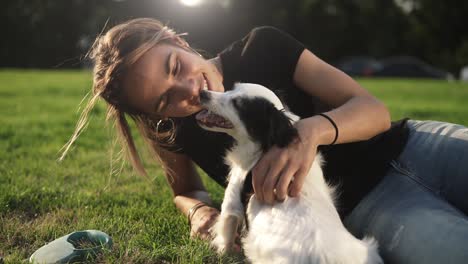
<point>205,85</point>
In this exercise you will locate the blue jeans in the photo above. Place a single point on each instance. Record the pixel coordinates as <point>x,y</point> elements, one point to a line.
<point>418,212</point>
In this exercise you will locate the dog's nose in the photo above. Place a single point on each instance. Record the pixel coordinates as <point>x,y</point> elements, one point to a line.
<point>204,96</point>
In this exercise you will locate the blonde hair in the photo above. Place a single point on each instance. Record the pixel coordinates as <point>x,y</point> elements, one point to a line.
<point>113,53</point>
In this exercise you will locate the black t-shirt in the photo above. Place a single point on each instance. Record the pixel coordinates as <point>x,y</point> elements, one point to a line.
<point>268,56</point>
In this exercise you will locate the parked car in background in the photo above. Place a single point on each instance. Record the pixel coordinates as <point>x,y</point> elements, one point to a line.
<point>398,66</point>
<point>464,74</point>
<point>359,66</point>
<point>410,67</point>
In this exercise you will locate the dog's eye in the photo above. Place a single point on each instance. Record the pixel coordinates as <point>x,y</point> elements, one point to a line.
<point>236,102</point>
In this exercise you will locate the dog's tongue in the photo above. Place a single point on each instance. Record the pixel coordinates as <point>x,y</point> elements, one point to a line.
<point>211,119</point>
<point>203,115</point>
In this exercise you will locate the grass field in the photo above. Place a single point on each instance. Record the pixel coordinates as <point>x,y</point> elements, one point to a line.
<point>41,199</point>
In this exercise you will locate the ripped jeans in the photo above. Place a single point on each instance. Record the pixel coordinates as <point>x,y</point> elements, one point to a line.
<point>418,212</point>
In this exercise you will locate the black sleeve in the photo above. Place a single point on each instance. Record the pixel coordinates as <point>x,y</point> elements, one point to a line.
<point>266,55</point>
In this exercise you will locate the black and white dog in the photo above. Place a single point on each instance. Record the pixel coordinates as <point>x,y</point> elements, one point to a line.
<point>305,229</point>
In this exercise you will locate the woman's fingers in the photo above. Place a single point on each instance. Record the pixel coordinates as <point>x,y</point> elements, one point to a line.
<point>258,176</point>
<point>202,222</point>
<point>202,234</point>
<point>265,175</point>
<point>296,185</point>
<point>284,182</point>
<point>281,172</point>
<point>271,180</point>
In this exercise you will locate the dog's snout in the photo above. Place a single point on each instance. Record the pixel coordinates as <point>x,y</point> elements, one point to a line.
<point>204,96</point>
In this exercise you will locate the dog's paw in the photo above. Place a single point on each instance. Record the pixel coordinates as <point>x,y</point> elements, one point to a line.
<point>220,244</point>
<point>224,233</point>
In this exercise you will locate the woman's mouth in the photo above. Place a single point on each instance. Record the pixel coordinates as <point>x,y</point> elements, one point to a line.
<point>205,83</point>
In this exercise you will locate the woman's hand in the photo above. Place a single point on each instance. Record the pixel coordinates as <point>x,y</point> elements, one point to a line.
<point>202,221</point>
<point>281,171</point>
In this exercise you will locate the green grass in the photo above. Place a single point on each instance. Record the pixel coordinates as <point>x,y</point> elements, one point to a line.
<point>422,99</point>
<point>41,199</point>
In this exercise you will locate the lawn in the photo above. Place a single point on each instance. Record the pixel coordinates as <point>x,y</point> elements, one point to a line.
<point>41,199</point>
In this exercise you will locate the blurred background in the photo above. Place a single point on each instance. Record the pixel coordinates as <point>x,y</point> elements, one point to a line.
<point>401,38</point>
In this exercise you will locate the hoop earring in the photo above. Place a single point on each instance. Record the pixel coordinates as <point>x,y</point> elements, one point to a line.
<point>165,131</point>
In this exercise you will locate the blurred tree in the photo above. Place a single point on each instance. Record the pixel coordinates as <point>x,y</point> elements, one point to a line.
<point>56,33</point>
<point>42,33</point>
<point>333,28</point>
<point>438,32</point>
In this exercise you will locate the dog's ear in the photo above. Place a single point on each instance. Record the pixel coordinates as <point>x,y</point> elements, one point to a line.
<point>265,124</point>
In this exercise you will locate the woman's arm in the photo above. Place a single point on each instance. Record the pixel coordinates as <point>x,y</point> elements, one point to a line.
<point>356,112</point>
<point>359,114</point>
<point>188,191</point>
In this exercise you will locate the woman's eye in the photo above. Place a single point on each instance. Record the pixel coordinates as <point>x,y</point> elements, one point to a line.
<point>176,68</point>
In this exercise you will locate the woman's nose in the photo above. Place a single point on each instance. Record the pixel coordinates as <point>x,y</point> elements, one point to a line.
<point>188,90</point>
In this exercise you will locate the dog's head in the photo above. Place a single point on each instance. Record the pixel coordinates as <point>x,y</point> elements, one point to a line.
<point>249,111</point>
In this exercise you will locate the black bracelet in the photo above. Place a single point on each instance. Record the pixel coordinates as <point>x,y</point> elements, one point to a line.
<point>334,125</point>
<point>192,211</point>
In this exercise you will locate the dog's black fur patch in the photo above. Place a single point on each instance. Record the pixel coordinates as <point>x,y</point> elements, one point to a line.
<point>265,124</point>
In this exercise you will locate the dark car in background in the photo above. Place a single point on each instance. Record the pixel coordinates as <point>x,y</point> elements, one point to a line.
<point>399,66</point>
<point>410,67</point>
<point>359,66</point>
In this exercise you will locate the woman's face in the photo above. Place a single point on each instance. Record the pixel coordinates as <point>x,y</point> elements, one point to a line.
<point>167,80</point>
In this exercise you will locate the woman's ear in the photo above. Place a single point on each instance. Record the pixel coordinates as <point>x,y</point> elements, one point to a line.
<point>282,131</point>
<point>265,124</point>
